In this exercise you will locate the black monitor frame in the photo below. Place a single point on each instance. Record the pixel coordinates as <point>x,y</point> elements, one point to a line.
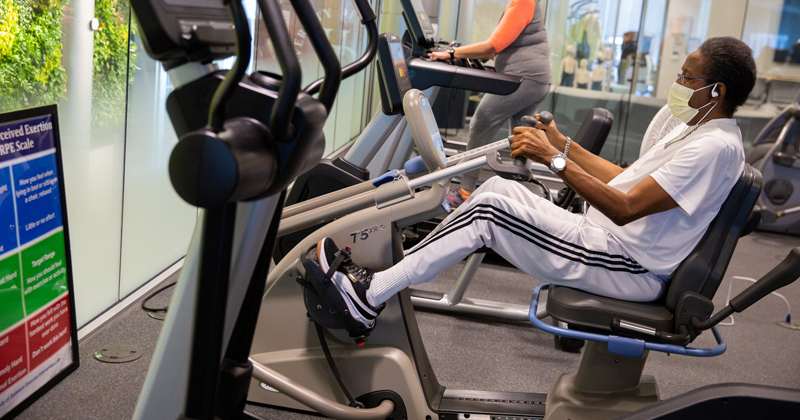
<point>393,77</point>
<point>418,23</point>
<point>181,31</point>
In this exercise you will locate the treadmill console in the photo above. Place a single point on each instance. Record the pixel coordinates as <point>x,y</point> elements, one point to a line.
<point>180,31</point>
<point>461,74</point>
<point>393,78</point>
<point>418,23</point>
<point>424,129</point>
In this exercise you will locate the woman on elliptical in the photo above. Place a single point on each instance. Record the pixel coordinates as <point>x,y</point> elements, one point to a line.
<point>518,45</point>
<point>643,221</point>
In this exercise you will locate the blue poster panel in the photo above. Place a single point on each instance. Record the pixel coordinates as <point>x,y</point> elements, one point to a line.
<point>38,334</point>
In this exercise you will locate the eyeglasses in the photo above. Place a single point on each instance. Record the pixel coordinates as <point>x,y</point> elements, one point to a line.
<point>682,79</point>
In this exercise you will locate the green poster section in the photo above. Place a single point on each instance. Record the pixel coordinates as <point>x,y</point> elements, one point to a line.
<point>44,272</point>
<point>10,292</point>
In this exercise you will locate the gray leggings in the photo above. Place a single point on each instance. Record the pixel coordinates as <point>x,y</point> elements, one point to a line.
<point>494,110</point>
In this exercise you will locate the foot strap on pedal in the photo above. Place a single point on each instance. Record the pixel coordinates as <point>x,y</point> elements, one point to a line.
<point>323,302</point>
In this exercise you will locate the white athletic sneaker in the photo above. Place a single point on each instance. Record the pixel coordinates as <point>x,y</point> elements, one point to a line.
<point>352,281</point>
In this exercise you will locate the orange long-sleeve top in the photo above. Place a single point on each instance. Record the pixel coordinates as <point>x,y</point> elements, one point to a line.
<point>517,15</point>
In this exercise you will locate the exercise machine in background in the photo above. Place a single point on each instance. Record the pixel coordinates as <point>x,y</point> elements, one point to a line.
<point>386,143</point>
<point>776,153</point>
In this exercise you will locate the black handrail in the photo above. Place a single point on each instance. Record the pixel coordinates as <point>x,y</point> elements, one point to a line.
<point>367,19</point>
<point>282,112</point>
<point>324,50</point>
<point>216,115</point>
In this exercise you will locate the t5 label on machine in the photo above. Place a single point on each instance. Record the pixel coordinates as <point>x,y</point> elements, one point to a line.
<point>38,341</point>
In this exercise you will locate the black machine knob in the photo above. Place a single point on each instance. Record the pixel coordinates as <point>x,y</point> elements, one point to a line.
<point>210,169</point>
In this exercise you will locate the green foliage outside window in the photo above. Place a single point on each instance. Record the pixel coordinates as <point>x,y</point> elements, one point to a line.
<point>114,62</point>
<point>31,73</point>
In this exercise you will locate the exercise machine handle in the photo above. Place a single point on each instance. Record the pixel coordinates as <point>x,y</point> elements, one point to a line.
<point>368,19</point>
<point>783,274</point>
<point>216,115</point>
<point>282,113</point>
<point>327,56</point>
<point>545,118</point>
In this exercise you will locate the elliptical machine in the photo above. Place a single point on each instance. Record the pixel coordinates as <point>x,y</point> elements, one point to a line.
<point>776,153</point>
<point>237,154</point>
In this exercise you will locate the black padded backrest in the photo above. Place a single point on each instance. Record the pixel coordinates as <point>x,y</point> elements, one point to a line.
<point>703,269</point>
<point>595,128</point>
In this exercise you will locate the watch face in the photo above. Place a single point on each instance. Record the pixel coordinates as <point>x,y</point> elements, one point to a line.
<point>559,162</point>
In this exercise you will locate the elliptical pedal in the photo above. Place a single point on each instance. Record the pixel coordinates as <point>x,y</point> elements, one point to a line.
<point>323,302</point>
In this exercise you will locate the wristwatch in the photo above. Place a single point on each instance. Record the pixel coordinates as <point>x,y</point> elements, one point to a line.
<point>452,52</point>
<point>559,161</point>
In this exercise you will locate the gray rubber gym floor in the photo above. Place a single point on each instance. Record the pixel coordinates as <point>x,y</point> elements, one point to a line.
<point>469,353</point>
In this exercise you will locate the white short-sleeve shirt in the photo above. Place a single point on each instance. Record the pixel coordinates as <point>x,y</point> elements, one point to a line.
<point>698,172</point>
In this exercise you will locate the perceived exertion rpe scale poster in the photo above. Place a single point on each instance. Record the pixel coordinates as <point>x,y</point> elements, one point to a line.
<point>38,338</point>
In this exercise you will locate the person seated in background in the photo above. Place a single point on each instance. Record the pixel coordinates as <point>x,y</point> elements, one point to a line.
<point>643,221</point>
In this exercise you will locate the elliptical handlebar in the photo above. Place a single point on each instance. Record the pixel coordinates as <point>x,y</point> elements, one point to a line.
<point>282,113</point>
<point>216,115</point>
<point>328,94</point>
<point>329,85</point>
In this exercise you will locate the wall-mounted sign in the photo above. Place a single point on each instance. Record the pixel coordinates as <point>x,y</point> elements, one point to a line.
<point>38,335</point>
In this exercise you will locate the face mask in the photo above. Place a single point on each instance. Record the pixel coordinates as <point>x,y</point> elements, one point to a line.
<point>678,102</point>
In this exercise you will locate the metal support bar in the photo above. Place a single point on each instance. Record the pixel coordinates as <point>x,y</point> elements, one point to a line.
<point>465,278</point>
<point>316,401</point>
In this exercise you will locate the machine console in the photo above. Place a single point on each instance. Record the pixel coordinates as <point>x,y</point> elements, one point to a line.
<point>393,80</point>
<point>418,23</point>
<point>180,31</point>
<point>424,129</point>
<point>461,74</point>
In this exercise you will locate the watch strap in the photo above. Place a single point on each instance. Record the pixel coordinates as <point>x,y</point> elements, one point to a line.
<point>452,52</point>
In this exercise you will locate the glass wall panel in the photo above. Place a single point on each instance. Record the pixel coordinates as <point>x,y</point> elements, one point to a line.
<point>590,56</point>
<point>157,224</point>
<point>93,118</point>
<point>771,29</point>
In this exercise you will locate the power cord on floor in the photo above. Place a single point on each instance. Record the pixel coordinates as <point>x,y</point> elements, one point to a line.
<point>153,312</point>
<point>728,299</point>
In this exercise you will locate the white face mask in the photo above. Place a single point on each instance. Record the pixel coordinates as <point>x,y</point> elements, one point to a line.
<point>678,102</point>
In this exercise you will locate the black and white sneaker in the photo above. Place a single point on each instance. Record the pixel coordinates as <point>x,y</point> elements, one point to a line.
<point>351,280</point>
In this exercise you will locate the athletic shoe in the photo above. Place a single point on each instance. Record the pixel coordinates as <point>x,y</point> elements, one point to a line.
<point>351,280</point>
<point>456,197</point>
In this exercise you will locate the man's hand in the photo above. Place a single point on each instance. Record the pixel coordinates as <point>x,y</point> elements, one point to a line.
<point>533,144</point>
<point>439,55</point>
<point>553,135</point>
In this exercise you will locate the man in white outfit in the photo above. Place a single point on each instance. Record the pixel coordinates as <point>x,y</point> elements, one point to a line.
<point>643,221</point>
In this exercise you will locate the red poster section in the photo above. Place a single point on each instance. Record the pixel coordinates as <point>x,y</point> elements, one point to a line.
<point>13,356</point>
<point>48,331</point>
